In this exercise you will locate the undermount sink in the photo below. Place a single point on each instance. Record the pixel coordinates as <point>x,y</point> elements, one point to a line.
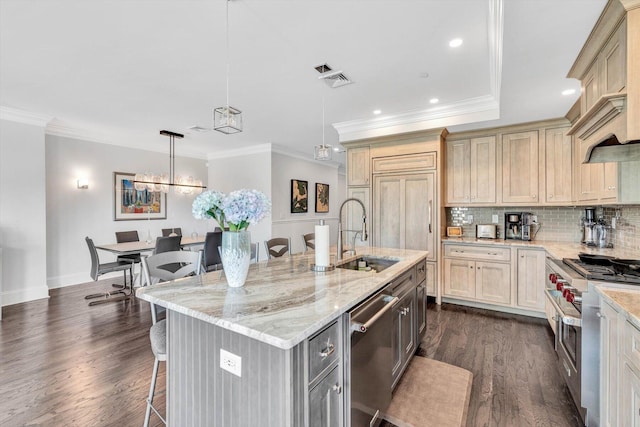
<point>377,264</point>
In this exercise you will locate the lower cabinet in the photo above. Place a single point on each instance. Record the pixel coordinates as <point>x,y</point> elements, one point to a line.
<point>609,365</point>
<point>479,280</point>
<point>630,398</point>
<point>325,401</point>
<point>421,314</point>
<point>530,279</point>
<point>403,342</point>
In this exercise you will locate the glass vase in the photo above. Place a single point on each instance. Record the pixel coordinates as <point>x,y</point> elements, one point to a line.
<point>235,254</point>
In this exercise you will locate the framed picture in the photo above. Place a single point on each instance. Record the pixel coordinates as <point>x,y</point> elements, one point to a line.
<point>322,197</point>
<point>131,204</point>
<point>299,196</point>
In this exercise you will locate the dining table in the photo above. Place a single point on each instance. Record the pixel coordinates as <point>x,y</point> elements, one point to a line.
<point>128,248</point>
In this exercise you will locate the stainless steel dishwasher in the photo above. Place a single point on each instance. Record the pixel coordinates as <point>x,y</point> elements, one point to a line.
<point>371,359</point>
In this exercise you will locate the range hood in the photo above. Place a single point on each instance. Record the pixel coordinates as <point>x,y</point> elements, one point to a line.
<point>612,150</point>
<point>609,130</point>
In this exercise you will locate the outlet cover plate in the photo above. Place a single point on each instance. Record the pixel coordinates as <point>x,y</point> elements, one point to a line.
<point>494,218</point>
<point>231,362</point>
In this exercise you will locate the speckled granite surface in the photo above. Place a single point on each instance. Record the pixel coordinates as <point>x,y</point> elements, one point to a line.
<point>282,302</point>
<point>557,250</point>
<point>625,300</point>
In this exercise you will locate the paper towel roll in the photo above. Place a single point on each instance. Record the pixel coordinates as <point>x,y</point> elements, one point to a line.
<point>322,246</point>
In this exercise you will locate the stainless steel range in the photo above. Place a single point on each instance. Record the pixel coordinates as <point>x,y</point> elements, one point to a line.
<point>570,289</point>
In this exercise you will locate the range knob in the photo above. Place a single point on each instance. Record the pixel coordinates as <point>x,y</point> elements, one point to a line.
<point>553,277</point>
<point>561,284</point>
<point>566,290</point>
<point>570,297</point>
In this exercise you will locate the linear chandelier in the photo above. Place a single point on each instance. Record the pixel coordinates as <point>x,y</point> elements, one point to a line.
<point>181,185</point>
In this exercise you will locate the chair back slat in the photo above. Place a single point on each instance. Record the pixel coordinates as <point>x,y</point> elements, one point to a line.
<point>272,245</point>
<point>189,262</point>
<point>309,241</point>
<point>211,255</point>
<point>167,231</point>
<point>127,236</point>
<point>95,261</point>
<point>167,244</point>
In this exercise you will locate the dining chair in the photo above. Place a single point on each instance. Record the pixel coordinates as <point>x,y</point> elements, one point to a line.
<point>308,241</point>
<point>124,237</point>
<point>277,247</point>
<point>168,244</point>
<point>211,255</point>
<point>177,231</point>
<point>152,268</point>
<point>98,269</point>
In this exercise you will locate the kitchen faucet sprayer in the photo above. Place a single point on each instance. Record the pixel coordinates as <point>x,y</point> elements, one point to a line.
<point>363,231</point>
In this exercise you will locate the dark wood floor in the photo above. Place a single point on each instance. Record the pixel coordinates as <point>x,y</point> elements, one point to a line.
<point>63,363</point>
<point>516,381</point>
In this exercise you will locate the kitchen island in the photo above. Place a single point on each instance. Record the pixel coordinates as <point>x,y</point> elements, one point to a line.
<point>288,330</point>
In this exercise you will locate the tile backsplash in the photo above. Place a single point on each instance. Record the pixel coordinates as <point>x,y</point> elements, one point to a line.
<point>560,224</point>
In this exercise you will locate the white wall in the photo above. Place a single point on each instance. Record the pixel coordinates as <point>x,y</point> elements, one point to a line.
<point>22,212</point>
<point>286,224</point>
<point>73,214</point>
<point>250,169</point>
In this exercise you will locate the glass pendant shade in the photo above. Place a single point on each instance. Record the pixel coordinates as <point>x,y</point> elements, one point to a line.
<point>139,186</point>
<point>322,152</point>
<point>227,120</point>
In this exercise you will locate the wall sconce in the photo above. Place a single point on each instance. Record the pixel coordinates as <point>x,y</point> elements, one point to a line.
<point>83,184</point>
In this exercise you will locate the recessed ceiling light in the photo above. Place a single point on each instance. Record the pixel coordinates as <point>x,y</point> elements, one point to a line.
<point>376,112</point>
<point>434,101</point>
<point>455,43</point>
<point>568,92</point>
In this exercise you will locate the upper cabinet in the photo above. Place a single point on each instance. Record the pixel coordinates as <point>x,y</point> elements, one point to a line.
<point>358,162</point>
<point>471,170</point>
<point>520,177</point>
<point>558,166</point>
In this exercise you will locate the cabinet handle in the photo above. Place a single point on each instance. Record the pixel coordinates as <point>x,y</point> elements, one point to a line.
<point>533,196</point>
<point>471,267</point>
<point>404,311</point>
<point>600,315</point>
<point>551,196</point>
<point>328,351</point>
<point>492,253</point>
<point>430,217</point>
<point>337,388</point>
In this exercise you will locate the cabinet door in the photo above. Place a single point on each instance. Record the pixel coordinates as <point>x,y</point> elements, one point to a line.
<point>421,310</point>
<point>609,190</point>
<point>405,212</point>
<point>550,311</point>
<point>590,90</point>
<point>458,171</point>
<point>358,166</point>
<point>324,401</point>
<point>591,181</point>
<point>408,326</point>
<point>613,62</point>
<point>493,282</point>
<point>558,169</point>
<point>629,398</point>
<point>459,278</point>
<point>431,279</point>
<point>609,365</point>
<point>483,170</point>
<point>520,167</point>
<point>354,215</point>
<point>531,279</point>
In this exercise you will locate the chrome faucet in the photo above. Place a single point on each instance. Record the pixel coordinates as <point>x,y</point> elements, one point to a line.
<point>363,232</point>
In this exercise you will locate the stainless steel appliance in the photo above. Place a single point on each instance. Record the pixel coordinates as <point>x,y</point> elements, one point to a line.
<point>486,231</point>
<point>588,223</point>
<point>371,360</point>
<point>574,281</point>
<point>517,225</point>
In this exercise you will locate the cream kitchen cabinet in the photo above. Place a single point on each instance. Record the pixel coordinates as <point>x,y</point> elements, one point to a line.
<point>630,398</point>
<point>404,210</point>
<point>471,170</point>
<point>358,164</point>
<point>471,272</point>
<point>432,268</point>
<point>520,168</point>
<point>558,166</point>
<point>530,279</point>
<point>354,215</point>
<point>598,182</point>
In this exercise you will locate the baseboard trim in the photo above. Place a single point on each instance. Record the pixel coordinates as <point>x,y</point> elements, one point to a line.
<point>76,279</point>
<point>24,295</point>
<point>511,310</point>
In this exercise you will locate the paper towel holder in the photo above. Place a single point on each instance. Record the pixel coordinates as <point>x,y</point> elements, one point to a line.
<point>322,268</point>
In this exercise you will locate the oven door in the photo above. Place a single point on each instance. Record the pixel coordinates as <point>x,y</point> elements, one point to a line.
<point>569,351</point>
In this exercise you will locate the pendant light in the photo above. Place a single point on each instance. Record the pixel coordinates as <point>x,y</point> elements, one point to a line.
<point>322,151</point>
<point>227,119</point>
<point>181,185</point>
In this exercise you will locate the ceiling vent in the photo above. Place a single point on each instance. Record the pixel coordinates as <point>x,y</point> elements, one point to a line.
<point>333,78</point>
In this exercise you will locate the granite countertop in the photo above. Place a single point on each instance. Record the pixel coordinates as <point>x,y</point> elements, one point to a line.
<point>557,250</point>
<point>626,301</point>
<point>282,302</point>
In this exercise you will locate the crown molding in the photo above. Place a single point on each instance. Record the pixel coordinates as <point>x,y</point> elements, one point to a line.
<point>23,116</point>
<point>482,108</point>
<point>238,152</point>
<point>468,111</point>
<point>302,156</point>
<point>630,4</point>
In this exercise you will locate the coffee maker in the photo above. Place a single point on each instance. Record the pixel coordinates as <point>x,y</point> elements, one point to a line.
<point>588,225</point>
<point>517,225</point>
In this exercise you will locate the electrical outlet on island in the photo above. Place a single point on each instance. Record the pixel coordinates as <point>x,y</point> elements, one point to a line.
<point>231,362</point>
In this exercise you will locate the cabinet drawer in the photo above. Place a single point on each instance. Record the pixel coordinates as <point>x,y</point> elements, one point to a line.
<point>324,349</point>
<point>478,252</point>
<point>404,163</point>
<point>631,343</point>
